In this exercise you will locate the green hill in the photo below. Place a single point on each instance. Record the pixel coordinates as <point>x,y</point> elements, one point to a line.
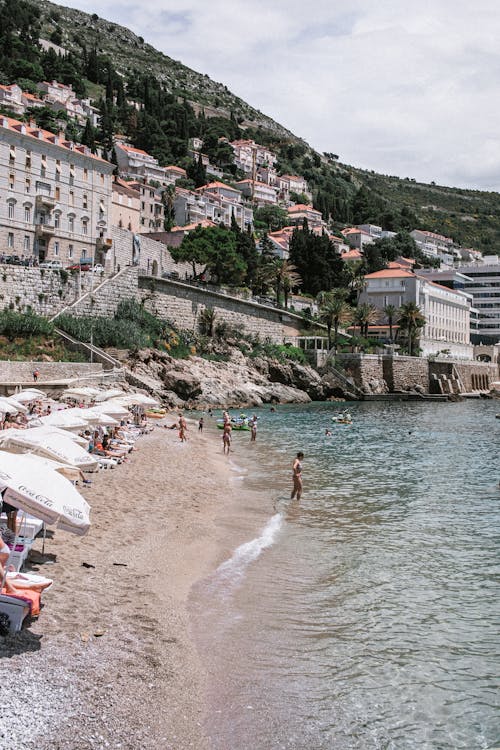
<point>159,103</point>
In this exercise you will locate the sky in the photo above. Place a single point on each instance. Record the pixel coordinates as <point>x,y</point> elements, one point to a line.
<point>402,87</point>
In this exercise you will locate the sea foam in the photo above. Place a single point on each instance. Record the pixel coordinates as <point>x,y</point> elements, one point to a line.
<point>233,570</point>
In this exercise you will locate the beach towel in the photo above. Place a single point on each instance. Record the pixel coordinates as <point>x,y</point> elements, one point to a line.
<point>27,595</point>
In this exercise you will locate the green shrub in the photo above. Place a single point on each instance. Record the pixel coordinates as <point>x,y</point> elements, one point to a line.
<point>23,325</point>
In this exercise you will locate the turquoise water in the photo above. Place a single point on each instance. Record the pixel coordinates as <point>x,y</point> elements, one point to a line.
<point>367,615</point>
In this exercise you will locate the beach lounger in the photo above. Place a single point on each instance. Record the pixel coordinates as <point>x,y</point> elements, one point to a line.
<point>16,609</point>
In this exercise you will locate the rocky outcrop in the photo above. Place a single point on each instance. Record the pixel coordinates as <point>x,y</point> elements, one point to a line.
<point>229,378</point>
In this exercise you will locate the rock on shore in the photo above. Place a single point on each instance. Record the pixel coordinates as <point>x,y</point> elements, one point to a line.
<point>229,379</point>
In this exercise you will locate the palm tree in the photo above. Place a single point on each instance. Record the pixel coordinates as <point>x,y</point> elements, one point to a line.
<point>285,278</point>
<point>364,315</point>
<point>410,320</point>
<point>333,312</point>
<point>355,279</point>
<point>390,312</point>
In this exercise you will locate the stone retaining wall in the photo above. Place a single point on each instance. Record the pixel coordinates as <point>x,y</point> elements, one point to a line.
<point>43,290</point>
<point>153,256</point>
<point>22,372</point>
<point>182,305</point>
<point>381,373</point>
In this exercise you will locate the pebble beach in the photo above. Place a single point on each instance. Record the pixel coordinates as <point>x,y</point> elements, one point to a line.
<point>110,662</point>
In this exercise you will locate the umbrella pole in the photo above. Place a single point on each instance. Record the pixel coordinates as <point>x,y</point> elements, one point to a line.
<point>44,530</point>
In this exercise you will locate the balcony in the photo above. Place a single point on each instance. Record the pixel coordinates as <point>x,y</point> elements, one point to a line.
<point>44,201</point>
<point>103,243</point>
<point>44,230</point>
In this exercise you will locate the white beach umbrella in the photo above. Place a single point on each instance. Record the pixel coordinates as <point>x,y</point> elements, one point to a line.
<point>73,473</point>
<point>19,406</point>
<point>64,420</point>
<point>86,393</point>
<point>42,492</point>
<point>57,447</point>
<point>136,399</point>
<point>94,416</point>
<point>30,394</point>
<point>112,409</point>
<point>110,393</point>
<point>8,407</point>
<point>50,429</point>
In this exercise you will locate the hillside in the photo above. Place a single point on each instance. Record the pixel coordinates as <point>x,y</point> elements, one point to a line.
<point>159,103</point>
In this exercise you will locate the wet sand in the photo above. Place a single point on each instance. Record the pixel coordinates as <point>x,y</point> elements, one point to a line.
<point>110,663</point>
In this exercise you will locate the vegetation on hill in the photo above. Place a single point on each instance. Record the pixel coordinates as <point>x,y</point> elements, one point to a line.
<point>26,336</point>
<point>158,104</point>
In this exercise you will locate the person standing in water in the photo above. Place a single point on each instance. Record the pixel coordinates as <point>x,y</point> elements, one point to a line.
<point>226,438</point>
<point>297,476</point>
<point>253,430</point>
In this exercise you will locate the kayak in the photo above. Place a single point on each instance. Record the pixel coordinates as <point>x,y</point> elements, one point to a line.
<point>156,414</point>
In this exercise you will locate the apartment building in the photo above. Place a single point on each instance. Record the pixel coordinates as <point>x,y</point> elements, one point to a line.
<point>483,283</point>
<point>446,311</point>
<point>59,96</point>
<point>299,212</point>
<point>55,196</point>
<point>16,100</point>
<point>259,192</point>
<point>126,207</point>
<point>249,155</point>
<point>195,207</point>
<point>152,209</point>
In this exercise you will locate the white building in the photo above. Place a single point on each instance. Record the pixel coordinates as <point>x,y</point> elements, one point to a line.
<point>483,283</point>
<point>446,311</point>
<point>259,192</point>
<point>194,207</point>
<point>55,196</point>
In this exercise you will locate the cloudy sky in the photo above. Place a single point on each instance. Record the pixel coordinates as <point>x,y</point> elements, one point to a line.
<point>403,87</point>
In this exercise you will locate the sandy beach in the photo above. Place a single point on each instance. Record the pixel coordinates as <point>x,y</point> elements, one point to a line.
<point>110,662</point>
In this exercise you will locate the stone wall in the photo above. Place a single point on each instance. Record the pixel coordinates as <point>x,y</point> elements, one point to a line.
<point>104,300</point>
<point>153,257</point>
<point>380,373</point>
<point>182,305</point>
<point>404,373</point>
<point>471,376</point>
<point>43,290</point>
<point>365,370</point>
<point>22,372</point>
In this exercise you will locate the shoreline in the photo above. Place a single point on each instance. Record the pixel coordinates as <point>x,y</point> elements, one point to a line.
<point>113,644</point>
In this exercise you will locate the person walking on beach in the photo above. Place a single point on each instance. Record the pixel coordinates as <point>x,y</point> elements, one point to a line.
<point>182,429</point>
<point>226,438</point>
<point>297,476</point>
<point>200,425</point>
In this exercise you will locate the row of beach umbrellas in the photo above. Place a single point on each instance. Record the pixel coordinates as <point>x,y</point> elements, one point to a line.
<point>38,464</point>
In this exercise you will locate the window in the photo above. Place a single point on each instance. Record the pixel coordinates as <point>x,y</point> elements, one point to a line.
<point>102,178</point>
<point>85,174</point>
<point>26,244</point>
<point>71,198</point>
<point>11,209</point>
<point>70,251</point>
<point>12,155</point>
<point>12,181</point>
<point>57,193</point>
<point>27,185</point>
<point>56,249</point>
<point>85,226</point>
<point>71,223</point>
<point>57,220</point>
<point>58,171</point>
<point>27,213</point>
<point>10,239</point>
<point>85,200</point>
<point>43,167</point>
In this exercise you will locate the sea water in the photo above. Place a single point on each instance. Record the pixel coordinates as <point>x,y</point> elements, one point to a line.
<point>367,615</point>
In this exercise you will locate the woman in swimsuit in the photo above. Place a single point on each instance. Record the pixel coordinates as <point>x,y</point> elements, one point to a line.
<point>297,476</point>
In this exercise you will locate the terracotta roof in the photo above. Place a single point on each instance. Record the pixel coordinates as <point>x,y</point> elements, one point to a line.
<point>302,207</point>
<point>189,227</point>
<point>212,185</point>
<point>391,273</point>
<point>48,137</point>
<point>132,149</point>
<point>352,255</point>
<point>173,168</point>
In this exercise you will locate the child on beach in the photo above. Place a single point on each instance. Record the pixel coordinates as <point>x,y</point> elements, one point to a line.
<point>226,438</point>
<point>200,425</point>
